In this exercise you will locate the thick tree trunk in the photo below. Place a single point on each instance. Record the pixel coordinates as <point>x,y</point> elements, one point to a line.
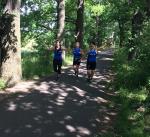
<point>10,45</point>
<point>79,22</point>
<point>61,22</point>
<point>60,19</point>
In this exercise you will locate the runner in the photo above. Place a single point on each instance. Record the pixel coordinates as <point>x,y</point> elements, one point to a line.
<point>91,61</point>
<point>77,55</point>
<point>57,59</point>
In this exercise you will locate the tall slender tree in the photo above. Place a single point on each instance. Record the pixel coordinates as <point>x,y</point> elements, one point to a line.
<point>79,22</point>
<point>137,21</point>
<point>10,45</point>
<point>121,25</point>
<point>60,19</point>
<point>148,7</point>
<point>98,33</point>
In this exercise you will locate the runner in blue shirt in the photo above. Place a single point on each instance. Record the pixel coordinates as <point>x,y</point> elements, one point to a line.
<point>91,61</point>
<point>57,58</point>
<point>77,55</point>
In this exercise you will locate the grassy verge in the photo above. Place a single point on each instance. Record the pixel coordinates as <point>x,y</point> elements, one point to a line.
<point>35,65</point>
<point>2,84</point>
<point>132,86</point>
<point>68,60</point>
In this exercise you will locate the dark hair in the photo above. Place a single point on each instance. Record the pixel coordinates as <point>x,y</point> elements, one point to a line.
<point>92,42</point>
<point>59,43</point>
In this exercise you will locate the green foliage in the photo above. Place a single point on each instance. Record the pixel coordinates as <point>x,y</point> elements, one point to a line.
<point>36,64</point>
<point>38,22</point>
<point>68,60</point>
<point>130,122</point>
<point>132,85</point>
<point>98,9</point>
<point>2,84</point>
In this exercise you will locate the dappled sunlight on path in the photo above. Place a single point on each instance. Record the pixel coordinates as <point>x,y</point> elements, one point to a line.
<point>70,107</point>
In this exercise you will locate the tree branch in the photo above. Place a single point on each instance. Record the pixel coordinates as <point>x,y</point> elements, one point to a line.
<point>71,20</point>
<point>44,26</point>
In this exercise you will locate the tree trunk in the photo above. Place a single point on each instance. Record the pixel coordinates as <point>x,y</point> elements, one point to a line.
<point>98,33</point>
<point>60,19</point>
<point>79,22</point>
<point>137,22</point>
<point>121,33</point>
<point>10,45</point>
<point>147,8</point>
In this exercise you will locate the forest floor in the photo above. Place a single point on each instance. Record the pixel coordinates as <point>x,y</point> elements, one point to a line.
<point>69,107</point>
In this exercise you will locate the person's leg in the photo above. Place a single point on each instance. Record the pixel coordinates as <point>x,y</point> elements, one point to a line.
<point>59,68</point>
<point>77,66</point>
<point>55,66</point>
<point>89,74</point>
<point>74,66</point>
<point>88,71</point>
<point>92,73</point>
<point>75,69</point>
<point>93,67</point>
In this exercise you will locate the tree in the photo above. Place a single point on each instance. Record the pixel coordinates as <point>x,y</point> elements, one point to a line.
<point>79,22</point>
<point>137,21</point>
<point>10,45</point>
<point>60,19</point>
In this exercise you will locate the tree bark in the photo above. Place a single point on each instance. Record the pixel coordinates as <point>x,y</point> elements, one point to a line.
<point>10,45</point>
<point>147,8</point>
<point>79,22</point>
<point>137,22</point>
<point>98,33</point>
<point>60,19</point>
<point>121,33</point>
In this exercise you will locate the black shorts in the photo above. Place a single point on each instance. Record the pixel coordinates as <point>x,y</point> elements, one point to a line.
<point>76,61</point>
<point>91,65</point>
<point>57,66</point>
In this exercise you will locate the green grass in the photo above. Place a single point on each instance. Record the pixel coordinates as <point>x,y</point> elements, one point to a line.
<point>2,84</point>
<point>35,65</point>
<point>132,85</point>
<point>68,60</point>
<point>130,121</point>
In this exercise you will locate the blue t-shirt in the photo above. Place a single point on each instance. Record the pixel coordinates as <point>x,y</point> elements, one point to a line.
<point>92,56</point>
<point>77,53</point>
<point>58,54</point>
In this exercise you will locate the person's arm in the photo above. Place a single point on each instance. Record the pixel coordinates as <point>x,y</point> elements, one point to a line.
<point>98,49</point>
<point>82,54</point>
<point>85,54</point>
<point>51,48</point>
<point>63,48</point>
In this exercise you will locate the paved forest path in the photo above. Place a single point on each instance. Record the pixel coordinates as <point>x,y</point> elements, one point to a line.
<point>70,107</point>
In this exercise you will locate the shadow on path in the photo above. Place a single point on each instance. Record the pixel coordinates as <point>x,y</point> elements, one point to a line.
<point>70,107</point>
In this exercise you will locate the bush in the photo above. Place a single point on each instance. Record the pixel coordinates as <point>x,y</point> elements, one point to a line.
<point>132,83</point>
<point>2,84</point>
<point>36,64</point>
